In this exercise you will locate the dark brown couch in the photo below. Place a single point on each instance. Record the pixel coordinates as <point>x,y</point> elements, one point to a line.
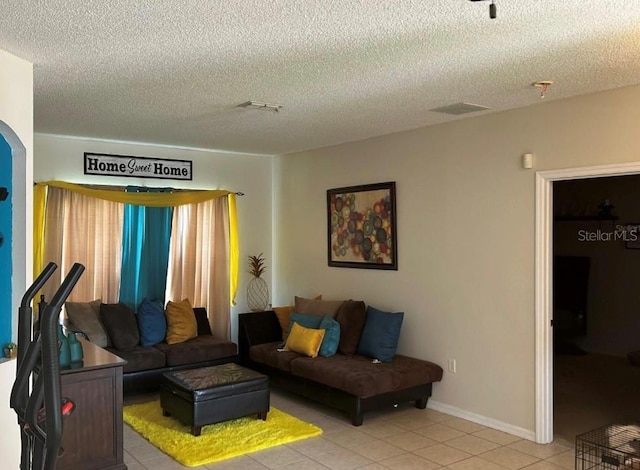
<point>351,383</point>
<point>146,364</point>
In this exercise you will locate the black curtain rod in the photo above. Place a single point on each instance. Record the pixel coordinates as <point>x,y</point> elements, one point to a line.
<point>237,193</point>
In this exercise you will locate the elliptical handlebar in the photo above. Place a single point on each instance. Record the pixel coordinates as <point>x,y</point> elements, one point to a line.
<point>30,293</point>
<point>27,350</point>
<point>51,366</point>
<point>24,320</point>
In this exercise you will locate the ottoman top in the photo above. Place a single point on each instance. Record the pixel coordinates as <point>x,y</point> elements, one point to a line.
<point>213,377</point>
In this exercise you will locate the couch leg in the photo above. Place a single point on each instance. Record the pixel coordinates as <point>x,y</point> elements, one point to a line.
<point>196,430</point>
<point>165,413</point>
<point>357,419</point>
<point>421,403</point>
<point>262,416</point>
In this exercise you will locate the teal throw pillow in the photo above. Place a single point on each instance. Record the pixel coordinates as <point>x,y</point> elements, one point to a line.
<point>380,334</point>
<point>306,320</point>
<point>331,339</point>
<point>151,322</point>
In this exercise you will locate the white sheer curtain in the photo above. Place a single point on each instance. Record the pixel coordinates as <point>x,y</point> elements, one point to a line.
<point>199,260</point>
<point>82,229</point>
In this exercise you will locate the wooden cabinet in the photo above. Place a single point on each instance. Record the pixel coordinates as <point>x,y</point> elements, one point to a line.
<point>92,434</point>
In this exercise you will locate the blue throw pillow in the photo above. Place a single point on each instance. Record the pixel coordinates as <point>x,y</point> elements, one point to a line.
<point>151,322</point>
<point>380,334</point>
<point>331,339</point>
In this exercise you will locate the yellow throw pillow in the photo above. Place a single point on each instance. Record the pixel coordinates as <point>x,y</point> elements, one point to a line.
<point>181,322</point>
<point>305,341</point>
<point>283,314</point>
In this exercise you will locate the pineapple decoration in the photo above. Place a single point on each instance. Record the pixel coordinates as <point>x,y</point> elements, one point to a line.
<point>257,289</point>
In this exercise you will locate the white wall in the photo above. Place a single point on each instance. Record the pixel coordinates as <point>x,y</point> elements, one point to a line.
<point>465,236</point>
<point>16,125</point>
<point>10,442</point>
<point>61,158</point>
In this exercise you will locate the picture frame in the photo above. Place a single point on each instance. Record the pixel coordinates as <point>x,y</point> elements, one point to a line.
<point>631,236</point>
<point>362,228</point>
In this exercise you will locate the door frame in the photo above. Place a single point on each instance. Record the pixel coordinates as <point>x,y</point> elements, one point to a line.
<point>544,280</point>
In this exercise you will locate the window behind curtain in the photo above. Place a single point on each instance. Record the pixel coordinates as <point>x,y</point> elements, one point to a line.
<point>146,239</point>
<point>85,230</point>
<point>199,260</point>
<point>89,231</point>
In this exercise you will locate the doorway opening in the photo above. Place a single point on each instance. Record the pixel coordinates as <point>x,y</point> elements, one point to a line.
<point>596,326</point>
<point>544,279</point>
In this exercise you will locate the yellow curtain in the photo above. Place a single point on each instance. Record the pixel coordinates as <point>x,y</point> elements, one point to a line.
<point>233,249</point>
<point>143,198</point>
<point>39,204</point>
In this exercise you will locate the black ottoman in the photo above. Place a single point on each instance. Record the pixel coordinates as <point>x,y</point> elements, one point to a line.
<point>198,397</point>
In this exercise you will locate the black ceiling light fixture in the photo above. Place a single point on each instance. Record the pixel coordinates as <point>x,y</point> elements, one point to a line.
<point>493,10</point>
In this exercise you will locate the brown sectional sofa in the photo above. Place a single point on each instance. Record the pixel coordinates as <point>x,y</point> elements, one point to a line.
<point>146,364</point>
<point>352,383</point>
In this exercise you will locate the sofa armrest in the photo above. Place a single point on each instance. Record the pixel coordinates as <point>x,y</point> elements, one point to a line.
<point>257,328</point>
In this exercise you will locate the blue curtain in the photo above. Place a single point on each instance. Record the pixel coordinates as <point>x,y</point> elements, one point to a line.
<point>145,252</point>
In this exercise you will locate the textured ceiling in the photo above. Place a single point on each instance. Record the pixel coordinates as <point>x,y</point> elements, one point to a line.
<point>173,71</point>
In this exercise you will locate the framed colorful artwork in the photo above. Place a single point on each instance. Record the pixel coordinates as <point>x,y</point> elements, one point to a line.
<point>362,226</point>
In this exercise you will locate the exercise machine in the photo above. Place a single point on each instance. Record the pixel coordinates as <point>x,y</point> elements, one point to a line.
<point>36,395</point>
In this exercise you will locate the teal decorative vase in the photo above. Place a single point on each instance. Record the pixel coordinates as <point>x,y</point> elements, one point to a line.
<point>63,348</point>
<point>75,348</point>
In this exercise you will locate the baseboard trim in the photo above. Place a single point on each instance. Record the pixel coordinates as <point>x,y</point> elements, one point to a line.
<point>483,420</point>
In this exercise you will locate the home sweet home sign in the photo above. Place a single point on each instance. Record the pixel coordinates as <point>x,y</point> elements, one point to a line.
<point>137,167</point>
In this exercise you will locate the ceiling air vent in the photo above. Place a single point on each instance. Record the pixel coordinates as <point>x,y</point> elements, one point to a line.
<point>460,108</point>
<point>261,105</point>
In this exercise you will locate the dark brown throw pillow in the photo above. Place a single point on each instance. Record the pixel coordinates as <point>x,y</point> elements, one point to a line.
<point>351,316</point>
<point>317,307</point>
<point>85,316</point>
<point>121,325</point>
<point>202,320</point>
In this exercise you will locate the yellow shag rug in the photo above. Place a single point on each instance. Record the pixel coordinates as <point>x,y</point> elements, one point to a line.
<point>218,441</point>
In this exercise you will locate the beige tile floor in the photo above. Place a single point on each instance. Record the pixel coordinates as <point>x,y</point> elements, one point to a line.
<point>402,438</point>
<point>591,391</point>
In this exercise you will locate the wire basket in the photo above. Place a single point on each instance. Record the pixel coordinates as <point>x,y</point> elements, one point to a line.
<point>612,447</point>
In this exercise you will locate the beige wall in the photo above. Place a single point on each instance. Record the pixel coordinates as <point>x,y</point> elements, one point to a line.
<point>62,158</point>
<point>16,125</point>
<point>465,236</point>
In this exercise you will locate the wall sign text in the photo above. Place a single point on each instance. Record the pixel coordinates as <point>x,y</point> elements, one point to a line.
<point>137,167</point>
